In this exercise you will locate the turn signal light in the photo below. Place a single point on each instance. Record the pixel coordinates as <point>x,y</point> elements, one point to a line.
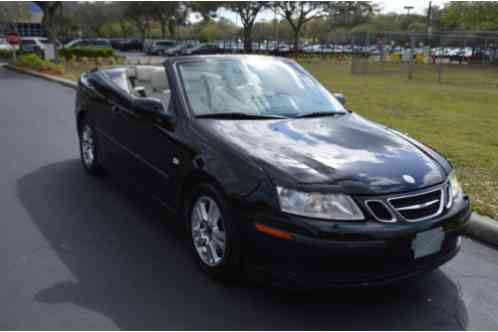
<point>273,231</point>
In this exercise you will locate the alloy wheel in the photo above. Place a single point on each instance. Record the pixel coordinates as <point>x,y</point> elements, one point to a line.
<point>87,146</point>
<point>208,231</point>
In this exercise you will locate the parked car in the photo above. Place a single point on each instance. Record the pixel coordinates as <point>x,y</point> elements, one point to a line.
<point>130,44</point>
<point>206,48</point>
<point>4,45</point>
<point>156,47</point>
<point>281,50</point>
<point>269,172</point>
<point>116,42</point>
<point>37,45</point>
<point>91,43</point>
<point>176,50</point>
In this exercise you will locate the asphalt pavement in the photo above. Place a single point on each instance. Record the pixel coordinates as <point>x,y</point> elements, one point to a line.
<point>85,253</point>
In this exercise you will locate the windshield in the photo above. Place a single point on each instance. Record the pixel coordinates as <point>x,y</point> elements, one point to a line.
<point>256,86</point>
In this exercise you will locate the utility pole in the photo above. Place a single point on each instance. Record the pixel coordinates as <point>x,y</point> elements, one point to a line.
<point>429,19</point>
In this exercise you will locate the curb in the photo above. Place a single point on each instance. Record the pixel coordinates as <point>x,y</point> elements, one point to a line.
<point>482,228</point>
<point>62,81</point>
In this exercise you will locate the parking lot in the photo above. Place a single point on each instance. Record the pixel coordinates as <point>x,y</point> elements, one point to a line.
<point>82,253</point>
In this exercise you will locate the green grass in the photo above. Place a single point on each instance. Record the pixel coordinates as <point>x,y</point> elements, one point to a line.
<point>459,121</point>
<point>73,72</point>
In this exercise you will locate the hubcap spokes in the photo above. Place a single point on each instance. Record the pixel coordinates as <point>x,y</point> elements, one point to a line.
<point>208,231</point>
<point>87,145</point>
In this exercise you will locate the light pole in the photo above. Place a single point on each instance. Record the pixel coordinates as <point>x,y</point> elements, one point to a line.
<point>408,8</point>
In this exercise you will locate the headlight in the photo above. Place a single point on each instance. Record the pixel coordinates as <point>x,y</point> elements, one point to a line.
<point>317,205</point>
<point>455,186</point>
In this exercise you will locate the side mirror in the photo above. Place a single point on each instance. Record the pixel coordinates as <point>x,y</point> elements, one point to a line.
<point>340,97</point>
<point>153,108</point>
<point>147,106</point>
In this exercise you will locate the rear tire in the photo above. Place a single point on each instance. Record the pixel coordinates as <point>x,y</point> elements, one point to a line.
<point>214,235</point>
<point>89,149</point>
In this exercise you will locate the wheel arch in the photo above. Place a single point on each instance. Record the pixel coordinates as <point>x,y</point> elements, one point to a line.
<point>80,116</point>
<point>190,183</point>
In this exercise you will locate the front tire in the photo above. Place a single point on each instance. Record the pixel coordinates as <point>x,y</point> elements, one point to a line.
<point>89,149</point>
<point>213,233</point>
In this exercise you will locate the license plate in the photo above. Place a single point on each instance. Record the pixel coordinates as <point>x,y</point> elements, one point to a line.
<point>428,242</point>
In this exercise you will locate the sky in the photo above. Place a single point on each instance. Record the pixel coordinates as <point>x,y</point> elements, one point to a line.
<point>398,6</point>
<point>386,6</point>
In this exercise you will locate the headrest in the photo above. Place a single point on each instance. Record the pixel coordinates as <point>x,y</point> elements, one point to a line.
<point>144,73</point>
<point>131,72</point>
<point>159,80</point>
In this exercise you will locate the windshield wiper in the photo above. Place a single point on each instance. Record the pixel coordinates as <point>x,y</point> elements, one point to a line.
<point>239,115</point>
<point>318,114</point>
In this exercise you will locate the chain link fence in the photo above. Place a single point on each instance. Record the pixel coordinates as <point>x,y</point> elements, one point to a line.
<point>462,59</point>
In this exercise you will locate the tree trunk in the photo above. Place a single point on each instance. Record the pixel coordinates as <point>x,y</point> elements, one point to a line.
<point>49,9</point>
<point>163,29</point>
<point>172,28</point>
<point>296,40</point>
<point>51,32</point>
<point>248,39</point>
<point>142,28</point>
<point>144,34</point>
<point>122,26</point>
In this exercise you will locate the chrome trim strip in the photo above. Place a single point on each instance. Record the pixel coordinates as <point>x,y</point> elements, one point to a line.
<point>393,219</point>
<point>418,206</point>
<point>449,199</point>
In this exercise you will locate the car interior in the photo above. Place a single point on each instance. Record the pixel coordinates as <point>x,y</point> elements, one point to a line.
<point>149,81</point>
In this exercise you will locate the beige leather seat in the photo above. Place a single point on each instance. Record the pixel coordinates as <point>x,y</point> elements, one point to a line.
<point>160,86</point>
<point>144,73</point>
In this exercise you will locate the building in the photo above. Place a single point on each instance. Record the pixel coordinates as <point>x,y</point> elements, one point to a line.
<point>28,26</point>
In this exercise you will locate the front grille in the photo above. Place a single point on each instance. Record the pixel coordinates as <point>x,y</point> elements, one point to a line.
<point>380,211</point>
<point>419,206</point>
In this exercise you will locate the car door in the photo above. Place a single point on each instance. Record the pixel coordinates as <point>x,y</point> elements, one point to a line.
<point>147,151</point>
<point>112,121</point>
<point>160,146</point>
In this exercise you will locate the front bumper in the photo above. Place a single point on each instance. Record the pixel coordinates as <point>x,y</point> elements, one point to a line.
<point>325,254</point>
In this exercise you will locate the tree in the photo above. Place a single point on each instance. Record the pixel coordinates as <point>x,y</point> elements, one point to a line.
<point>12,12</point>
<point>207,9</point>
<point>141,13</point>
<point>317,30</point>
<point>248,11</point>
<point>350,13</point>
<point>51,11</point>
<point>119,11</point>
<point>298,13</point>
<point>222,29</point>
<point>169,15</point>
<point>93,16</point>
<point>474,15</point>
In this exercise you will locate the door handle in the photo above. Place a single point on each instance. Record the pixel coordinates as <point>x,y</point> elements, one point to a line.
<point>115,109</point>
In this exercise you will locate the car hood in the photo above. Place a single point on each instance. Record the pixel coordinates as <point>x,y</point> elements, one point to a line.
<point>345,152</point>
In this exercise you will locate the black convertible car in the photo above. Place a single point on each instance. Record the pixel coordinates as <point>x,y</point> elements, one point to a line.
<point>270,173</point>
